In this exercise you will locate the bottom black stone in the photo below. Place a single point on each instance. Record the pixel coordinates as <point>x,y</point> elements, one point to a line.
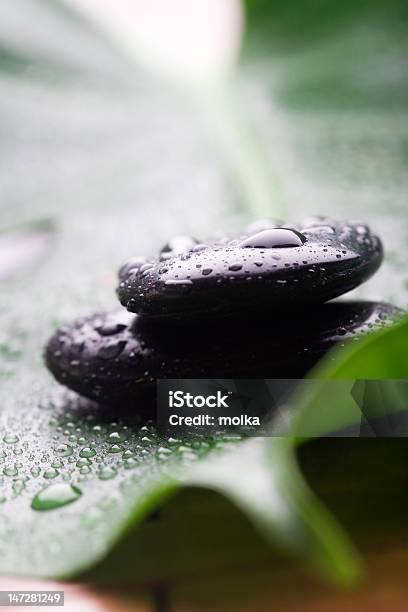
<point>115,358</point>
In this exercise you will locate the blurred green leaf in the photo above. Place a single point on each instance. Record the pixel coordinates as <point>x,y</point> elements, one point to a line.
<point>359,389</point>
<point>379,356</point>
<point>325,86</point>
<point>233,506</point>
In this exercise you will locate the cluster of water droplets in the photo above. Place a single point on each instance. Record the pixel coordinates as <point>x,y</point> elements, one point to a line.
<point>83,472</point>
<point>82,449</point>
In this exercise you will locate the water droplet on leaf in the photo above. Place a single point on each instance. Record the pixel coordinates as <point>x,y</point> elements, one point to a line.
<point>51,473</point>
<point>87,452</point>
<point>55,496</point>
<point>10,439</point>
<point>64,450</point>
<point>107,473</point>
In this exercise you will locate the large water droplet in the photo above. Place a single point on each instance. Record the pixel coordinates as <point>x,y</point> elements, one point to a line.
<point>10,439</point>
<point>274,238</point>
<point>55,496</point>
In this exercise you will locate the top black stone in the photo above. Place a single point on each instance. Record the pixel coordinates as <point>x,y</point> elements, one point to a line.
<point>270,267</point>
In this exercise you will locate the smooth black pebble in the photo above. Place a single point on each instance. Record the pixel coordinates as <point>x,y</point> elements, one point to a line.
<point>115,358</point>
<point>269,268</point>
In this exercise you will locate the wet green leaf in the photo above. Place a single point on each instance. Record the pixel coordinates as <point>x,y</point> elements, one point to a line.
<point>122,162</point>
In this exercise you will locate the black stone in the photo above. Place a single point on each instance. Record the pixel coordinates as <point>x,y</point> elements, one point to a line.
<point>270,268</point>
<point>115,358</point>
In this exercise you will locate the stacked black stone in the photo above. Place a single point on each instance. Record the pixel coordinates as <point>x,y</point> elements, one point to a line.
<point>247,306</point>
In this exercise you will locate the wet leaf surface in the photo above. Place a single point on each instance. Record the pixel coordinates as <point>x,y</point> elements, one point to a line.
<point>124,163</point>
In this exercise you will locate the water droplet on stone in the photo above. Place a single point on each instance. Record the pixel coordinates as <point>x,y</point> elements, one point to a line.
<point>110,328</point>
<point>274,238</point>
<point>185,282</point>
<point>111,350</point>
<point>200,247</point>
